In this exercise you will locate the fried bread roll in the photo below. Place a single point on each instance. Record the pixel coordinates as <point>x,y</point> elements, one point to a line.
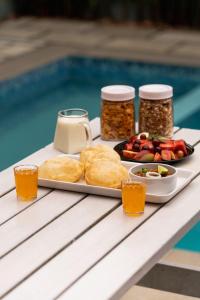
<point>91,154</point>
<point>61,168</point>
<point>106,173</point>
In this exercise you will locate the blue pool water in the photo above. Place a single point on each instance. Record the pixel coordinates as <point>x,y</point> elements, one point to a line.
<point>30,102</point>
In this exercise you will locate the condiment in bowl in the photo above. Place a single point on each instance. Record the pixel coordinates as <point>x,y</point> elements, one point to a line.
<point>159,178</point>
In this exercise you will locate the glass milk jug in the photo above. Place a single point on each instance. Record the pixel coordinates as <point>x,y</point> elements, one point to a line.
<point>73,131</point>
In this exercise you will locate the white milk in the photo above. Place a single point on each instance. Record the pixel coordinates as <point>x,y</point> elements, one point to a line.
<point>71,135</point>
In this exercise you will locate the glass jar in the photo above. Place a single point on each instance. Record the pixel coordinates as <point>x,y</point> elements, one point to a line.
<point>156,110</point>
<point>117,112</point>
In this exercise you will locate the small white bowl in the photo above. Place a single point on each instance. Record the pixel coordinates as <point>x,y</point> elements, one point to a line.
<point>156,185</point>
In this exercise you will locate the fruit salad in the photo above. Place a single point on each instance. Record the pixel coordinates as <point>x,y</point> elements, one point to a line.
<point>144,147</point>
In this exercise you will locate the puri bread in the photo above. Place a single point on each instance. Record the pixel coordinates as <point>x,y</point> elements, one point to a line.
<point>61,168</point>
<point>106,173</point>
<point>90,154</point>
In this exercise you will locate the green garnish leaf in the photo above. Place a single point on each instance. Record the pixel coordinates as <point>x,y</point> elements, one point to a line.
<point>144,170</point>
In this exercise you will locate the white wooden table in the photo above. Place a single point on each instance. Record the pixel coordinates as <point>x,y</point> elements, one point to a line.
<point>69,245</point>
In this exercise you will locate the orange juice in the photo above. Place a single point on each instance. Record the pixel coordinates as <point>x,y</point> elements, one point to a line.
<point>26,180</point>
<point>133,197</point>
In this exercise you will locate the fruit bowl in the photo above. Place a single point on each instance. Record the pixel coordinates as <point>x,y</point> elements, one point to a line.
<point>156,185</point>
<point>153,149</point>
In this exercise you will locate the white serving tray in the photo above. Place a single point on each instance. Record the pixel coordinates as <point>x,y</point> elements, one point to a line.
<point>184,178</point>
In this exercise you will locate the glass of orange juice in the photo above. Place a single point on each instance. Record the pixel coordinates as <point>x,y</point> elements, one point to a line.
<point>133,197</point>
<point>26,180</point>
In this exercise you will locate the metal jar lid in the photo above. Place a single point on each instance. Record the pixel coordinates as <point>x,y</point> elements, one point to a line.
<point>118,92</point>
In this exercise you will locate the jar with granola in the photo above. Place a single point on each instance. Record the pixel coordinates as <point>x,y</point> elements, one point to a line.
<point>117,112</point>
<point>156,109</point>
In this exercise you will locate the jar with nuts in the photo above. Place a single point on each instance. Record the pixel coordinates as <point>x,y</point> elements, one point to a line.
<point>117,112</point>
<point>156,110</point>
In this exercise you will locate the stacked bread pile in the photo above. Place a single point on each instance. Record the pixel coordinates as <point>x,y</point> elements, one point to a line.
<point>100,165</point>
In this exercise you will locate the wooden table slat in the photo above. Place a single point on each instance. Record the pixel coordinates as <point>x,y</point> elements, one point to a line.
<point>9,206</point>
<point>193,162</point>
<point>141,250</point>
<point>51,239</point>
<point>68,241</point>
<point>52,270</point>
<point>191,136</point>
<point>33,218</point>
<point>64,269</point>
<point>176,128</point>
<point>102,238</point>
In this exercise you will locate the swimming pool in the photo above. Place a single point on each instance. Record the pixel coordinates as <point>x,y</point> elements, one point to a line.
<point>30,102</point>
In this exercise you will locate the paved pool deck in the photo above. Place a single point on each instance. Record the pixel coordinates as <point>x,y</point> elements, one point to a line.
<point>27,43</point>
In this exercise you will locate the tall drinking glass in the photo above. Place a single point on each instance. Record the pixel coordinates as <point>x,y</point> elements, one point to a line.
<point>26,180</point>
<point>133,197</point>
